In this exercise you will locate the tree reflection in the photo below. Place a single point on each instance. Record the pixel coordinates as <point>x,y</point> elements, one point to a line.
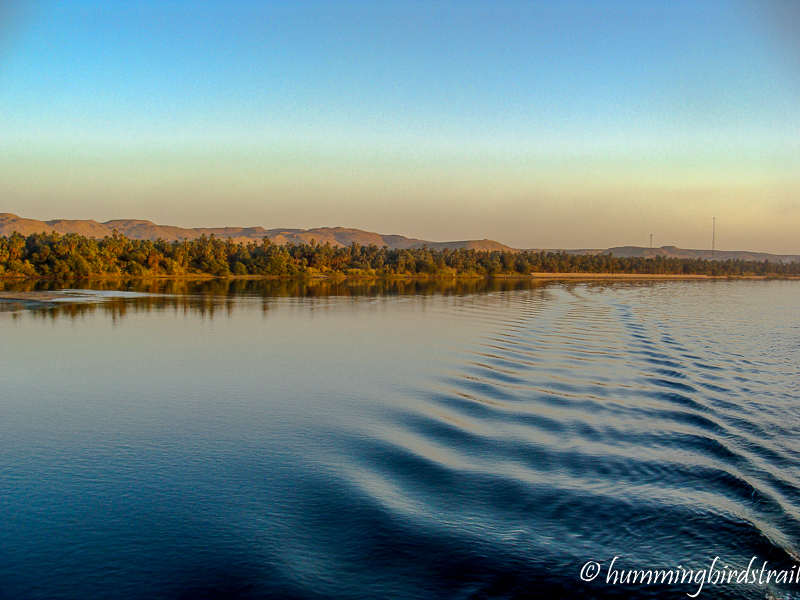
<point>211,297</point>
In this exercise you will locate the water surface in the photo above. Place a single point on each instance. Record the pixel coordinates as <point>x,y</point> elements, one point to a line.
<point>399,439</point>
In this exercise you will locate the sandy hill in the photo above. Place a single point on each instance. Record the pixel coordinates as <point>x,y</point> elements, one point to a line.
<point>674,252</point>
<point>335,236</point>
<point>147,230</point>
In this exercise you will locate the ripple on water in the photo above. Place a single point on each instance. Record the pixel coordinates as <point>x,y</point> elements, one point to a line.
<point>318,447</point>
<point>586,424</point>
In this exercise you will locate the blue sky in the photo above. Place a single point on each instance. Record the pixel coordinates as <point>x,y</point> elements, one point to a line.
<point>538,124</point>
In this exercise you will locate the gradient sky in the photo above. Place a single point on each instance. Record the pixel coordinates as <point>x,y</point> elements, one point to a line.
<point>568,124</point>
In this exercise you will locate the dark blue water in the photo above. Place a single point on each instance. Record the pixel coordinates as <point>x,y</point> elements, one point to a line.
<point>412,442</point>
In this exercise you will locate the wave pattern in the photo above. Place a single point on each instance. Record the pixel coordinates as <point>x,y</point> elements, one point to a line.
<point>641,421</point>
<point>450,444</point>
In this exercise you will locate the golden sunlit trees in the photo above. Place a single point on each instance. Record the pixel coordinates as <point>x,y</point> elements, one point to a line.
<point>73,256</point>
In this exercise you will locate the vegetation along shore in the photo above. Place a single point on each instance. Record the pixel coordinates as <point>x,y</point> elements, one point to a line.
<point>70,256</point>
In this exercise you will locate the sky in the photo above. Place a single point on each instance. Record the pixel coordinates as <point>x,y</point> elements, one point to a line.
<point>552,124</point>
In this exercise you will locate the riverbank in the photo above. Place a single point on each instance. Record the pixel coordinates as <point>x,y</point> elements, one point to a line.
<point>341,278</point>
<point>75,257</point>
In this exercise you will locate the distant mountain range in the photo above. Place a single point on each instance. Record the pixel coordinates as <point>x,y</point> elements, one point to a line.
<point>336,236</point>
<point>146,230</point>
<point>673,252</point>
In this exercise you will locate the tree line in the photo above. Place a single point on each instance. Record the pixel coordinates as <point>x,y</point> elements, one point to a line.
<point>73,256</point>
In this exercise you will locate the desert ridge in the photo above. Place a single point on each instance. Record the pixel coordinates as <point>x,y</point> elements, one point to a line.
<point>340,237</point>
<point>147,230</point>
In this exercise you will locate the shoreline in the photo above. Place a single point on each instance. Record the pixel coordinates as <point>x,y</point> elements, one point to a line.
<point>532,276</point>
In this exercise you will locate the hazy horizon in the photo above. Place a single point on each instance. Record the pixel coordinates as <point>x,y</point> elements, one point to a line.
<point>538,125</point>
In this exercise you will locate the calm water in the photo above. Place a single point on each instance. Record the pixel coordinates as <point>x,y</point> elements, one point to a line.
<point>365,441</point>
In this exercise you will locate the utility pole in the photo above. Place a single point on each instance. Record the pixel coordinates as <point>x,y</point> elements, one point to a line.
<point>651,241</point>
<point>713,235</point>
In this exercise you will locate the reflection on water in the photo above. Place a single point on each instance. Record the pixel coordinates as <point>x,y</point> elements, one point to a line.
<point>282,287</point>
<point>209,297</point>
<point>399,439</point>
